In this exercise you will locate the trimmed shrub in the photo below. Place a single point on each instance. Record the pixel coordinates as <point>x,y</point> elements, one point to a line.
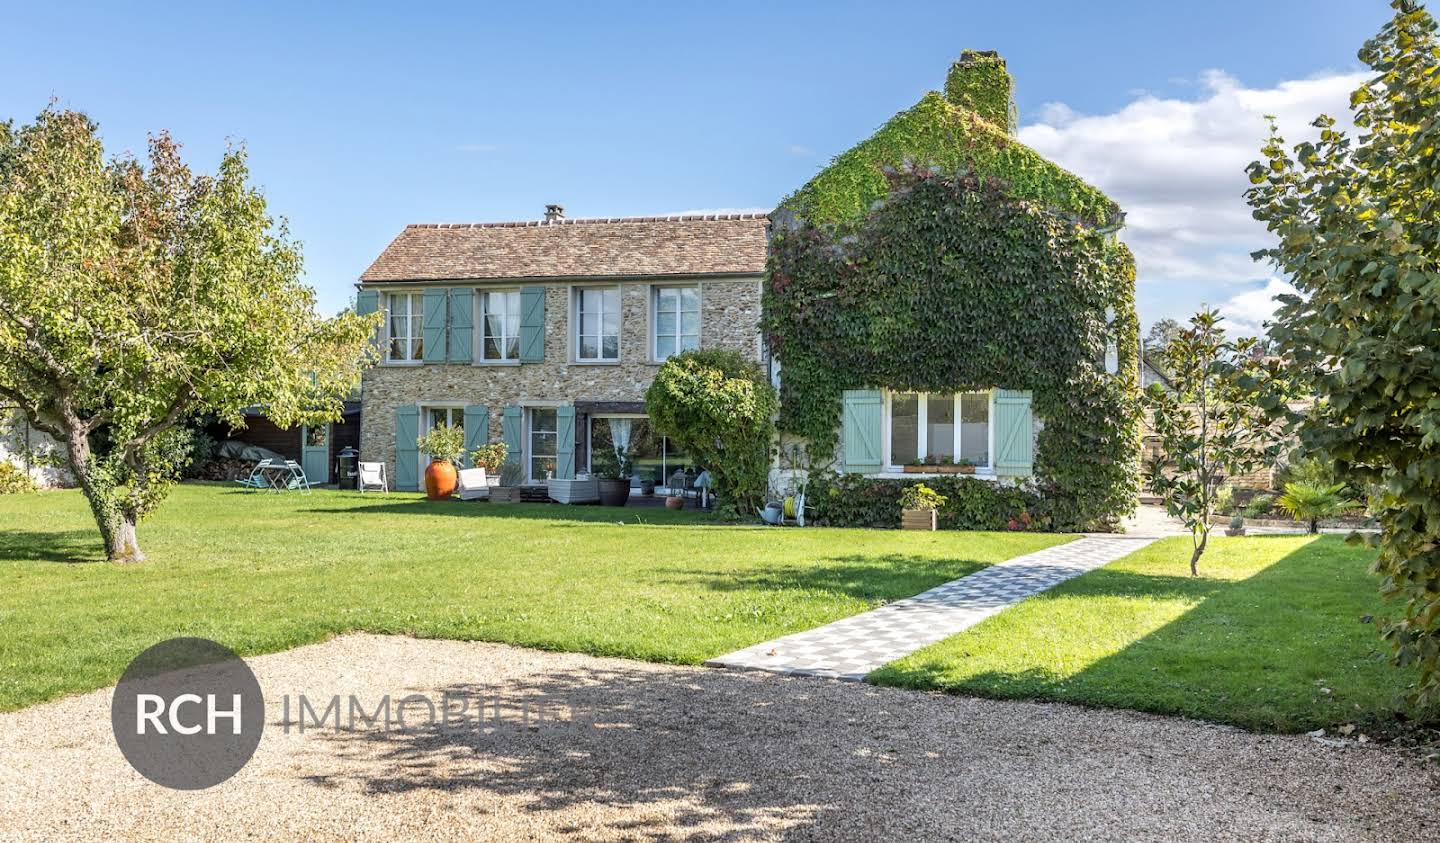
<point>853,500</point>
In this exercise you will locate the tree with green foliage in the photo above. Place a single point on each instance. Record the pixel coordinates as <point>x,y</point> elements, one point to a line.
<point>136,296</point>
<point>1210,424</point>
<point>1358,226</point>
<point>719,408</point>
<point>1162,331</point>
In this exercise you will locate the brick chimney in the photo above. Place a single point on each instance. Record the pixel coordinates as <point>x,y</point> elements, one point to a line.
<point>554,213</point>
<point>980,83</point>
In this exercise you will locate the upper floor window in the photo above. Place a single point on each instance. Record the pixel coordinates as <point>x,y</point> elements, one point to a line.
<point>597,311</point>
<point>932,428</point>
<point>407,315</point>
<point>677,320</point>
<point>501,321</point>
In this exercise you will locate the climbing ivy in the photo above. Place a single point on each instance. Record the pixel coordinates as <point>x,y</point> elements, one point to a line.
<point>952,137</point>
<point>959,281</point>
<point>979,82</point>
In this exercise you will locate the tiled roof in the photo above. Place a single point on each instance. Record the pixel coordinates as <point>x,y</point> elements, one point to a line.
<point>709,244</point>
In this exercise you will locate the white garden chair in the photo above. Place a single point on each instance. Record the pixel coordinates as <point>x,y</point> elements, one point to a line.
<point>372,475</point>
<point>472,484</point>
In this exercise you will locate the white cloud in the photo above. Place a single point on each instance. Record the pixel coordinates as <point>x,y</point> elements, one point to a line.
<point>800,151</point>
<point>1177,167</point>
<point>1246,313</point>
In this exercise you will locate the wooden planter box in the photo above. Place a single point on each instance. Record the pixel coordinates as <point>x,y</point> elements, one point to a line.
<point>939,469</point>
<point>505,494</point>
<point>917,519</point>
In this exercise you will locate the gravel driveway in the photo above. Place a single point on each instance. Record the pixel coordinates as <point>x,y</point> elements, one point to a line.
<point>682,753</point>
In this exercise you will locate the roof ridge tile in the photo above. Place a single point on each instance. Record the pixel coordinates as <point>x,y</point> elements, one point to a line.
<point>591,221</point>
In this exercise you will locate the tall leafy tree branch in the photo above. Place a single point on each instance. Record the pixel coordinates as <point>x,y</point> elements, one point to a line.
<point>1357,219</point>
<point>135,296</point>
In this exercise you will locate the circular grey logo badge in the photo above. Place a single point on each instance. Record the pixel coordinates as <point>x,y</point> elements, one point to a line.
<point>188,713</point>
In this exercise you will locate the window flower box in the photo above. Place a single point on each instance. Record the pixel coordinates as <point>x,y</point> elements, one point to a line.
<point>937,468</point>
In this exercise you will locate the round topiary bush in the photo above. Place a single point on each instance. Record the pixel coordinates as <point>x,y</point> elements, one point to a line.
<point>719,408</point>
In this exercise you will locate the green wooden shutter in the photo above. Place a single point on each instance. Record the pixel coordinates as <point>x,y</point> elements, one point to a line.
<point>532,324</point>
<point>477,430</point>
<point>460,347</point>
<point>1014,433</point>
<point>860,426</point>
<point>407,455</point>
<point>366,303</point>
<point>433,327</point>
<point>510,431</point>
<point>565,444</point>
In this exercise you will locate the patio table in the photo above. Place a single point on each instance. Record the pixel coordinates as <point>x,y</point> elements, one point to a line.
<point>283,477</point>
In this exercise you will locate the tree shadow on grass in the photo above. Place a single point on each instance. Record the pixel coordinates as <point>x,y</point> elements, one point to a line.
<point>1254,652</point>
<point>683,755</point>
<point>67,546</point>
<point>877,577</point>
<point>647,515</point>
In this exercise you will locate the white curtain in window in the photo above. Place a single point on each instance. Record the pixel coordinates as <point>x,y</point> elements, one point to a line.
<point>620,436</point>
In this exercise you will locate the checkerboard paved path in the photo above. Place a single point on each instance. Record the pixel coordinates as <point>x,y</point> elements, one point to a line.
<point>853,647</point>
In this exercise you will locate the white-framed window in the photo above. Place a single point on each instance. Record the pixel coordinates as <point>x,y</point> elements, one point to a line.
<point>676,326</point>
<point>404,337</point>
<point>938,428</point>
<point>500,325</point>
<point>597,324</point>
<point>543,441</point>
<point>435,415</point>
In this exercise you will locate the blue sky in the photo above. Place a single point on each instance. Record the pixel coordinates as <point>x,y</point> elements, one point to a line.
<point>362,118</point>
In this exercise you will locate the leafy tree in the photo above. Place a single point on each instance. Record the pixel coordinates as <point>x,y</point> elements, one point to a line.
<point>1211,426</point>
<point>1358,231</point>
<point>135,296</point>
<point>720,409</point>
<point>1162,331</point>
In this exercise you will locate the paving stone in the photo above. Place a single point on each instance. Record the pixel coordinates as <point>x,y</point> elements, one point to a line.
<point>853,647</point>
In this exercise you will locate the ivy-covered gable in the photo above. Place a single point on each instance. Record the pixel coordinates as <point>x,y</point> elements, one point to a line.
<point>941,256</point>
<point>968,128</point>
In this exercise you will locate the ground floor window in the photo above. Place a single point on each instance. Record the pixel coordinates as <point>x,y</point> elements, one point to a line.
<point>433,417</point>
<point>939,428</point>
<point>544,440</point>
<point>653,457</point>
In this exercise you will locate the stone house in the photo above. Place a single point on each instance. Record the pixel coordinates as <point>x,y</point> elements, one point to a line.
<point>546,334</point>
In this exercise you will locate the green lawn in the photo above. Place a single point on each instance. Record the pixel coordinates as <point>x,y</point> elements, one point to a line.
<point>1256,642</point>
<point>262,572</point>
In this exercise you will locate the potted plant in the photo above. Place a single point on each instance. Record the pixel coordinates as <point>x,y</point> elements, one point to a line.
<point>918,505</point>
<point>490,457</point>
<point>1237,526</point>
<point>647,486</point>
<point>512,474</point>
<point>444,444</point>
<point>612,470</point>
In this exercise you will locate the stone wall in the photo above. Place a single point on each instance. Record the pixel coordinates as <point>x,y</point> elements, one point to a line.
<point>32,450</point>
<point>729,318</point>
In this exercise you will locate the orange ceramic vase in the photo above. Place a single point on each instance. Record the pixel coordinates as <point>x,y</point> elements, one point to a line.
<point>439,480</point>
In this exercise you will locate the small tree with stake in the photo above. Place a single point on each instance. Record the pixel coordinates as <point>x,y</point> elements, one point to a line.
<point>1211,427</point>
<point>135,297</point>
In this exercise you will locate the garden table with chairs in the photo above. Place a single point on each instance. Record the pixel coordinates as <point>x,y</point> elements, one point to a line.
<point>277,476</point>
